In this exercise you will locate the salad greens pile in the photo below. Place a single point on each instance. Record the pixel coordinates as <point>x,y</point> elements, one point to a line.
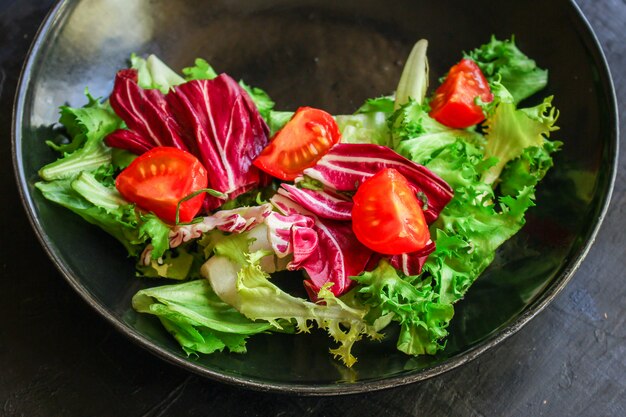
<point>226,258</point>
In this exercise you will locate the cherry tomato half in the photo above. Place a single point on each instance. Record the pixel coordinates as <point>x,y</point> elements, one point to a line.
<point>387,216</point>
<point>453,103</point>
<point>306,137</point>
<point>158,179</point>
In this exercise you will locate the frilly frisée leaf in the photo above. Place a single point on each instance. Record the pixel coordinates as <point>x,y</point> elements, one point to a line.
<point>510,130</point>
<point>251,289</point>
<point>414,305</point>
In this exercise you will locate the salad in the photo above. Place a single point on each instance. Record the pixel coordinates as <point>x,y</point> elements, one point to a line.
<point>388,214</point>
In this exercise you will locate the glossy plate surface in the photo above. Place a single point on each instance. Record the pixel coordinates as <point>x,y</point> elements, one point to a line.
<point>331,55</point>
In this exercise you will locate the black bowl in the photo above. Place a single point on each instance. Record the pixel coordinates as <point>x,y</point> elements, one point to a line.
<point>331,55</point>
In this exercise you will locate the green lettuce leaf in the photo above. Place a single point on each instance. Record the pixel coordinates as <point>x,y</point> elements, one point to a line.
<point>83,180</point>
<point>237,277</point>
<point>201,70</point>
<point>364,128</point>
<point>119,223</point>
<point>410,122</point>
<point>383,104</point>
<point>152,229</point>
<point>87,127</point>
<point>510,130</point>
<point>467,235</point>
<point>197,318</point>
<point>121,158</point>
<point>368,124</point>
<point>97,193</point>
<point>413,83</point>
<point>261,100</point>
<point>503,61</point>
<point>475,222</point>
<point>110,213</point>
<point>152,73</point>
<point>78,120</point>
<point>177,264</point>
<point>527,170</point>
<point>277,119</point>
<point>423,320</point>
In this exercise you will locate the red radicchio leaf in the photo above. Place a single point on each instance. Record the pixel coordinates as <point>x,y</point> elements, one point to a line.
<point>324,204</point>
<point>214,119</point>
<point>347,165</point>
<point>145,112</point>
<point>280,229</point>
<point>129,140</point>
<point>224,129</point>
<point>339,256</point>
<point>412,263</point>
<point>328,250</point>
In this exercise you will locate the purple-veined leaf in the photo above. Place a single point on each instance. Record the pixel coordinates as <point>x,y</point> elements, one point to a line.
<point>323,203</point>
<point>347,165</point>
<point>145,112</point>
<point>237,220</point>
<point>327,250</point>
<point>224,129</point>
<point>216,120</point>
<point>280,230</point>
<point>412,263</point>
<point>129,140</point>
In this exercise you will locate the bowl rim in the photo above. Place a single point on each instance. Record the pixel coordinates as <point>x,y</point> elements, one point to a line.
<point>534,308</point>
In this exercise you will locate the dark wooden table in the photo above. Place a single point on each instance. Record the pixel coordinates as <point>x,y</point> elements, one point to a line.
<point>568,361</point>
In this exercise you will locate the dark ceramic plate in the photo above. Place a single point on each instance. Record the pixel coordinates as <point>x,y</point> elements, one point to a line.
<point>331,55</point>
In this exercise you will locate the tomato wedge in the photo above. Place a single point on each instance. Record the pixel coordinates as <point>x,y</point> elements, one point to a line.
<point>158,179</point>
<point>306,137</point>
<point>387,216</point>
<point>453,103</point>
